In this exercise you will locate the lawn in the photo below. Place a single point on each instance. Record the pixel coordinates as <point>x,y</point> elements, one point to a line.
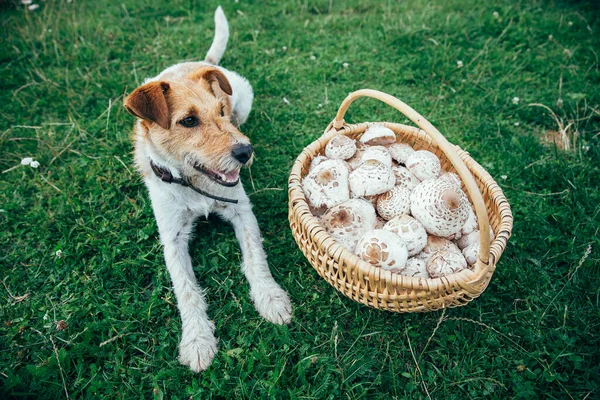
<point>79,243</point>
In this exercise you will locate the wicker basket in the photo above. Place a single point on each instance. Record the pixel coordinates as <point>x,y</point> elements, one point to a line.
<point>374,286</point>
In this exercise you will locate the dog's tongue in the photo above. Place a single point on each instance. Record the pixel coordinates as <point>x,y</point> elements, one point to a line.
<point>232,176</point>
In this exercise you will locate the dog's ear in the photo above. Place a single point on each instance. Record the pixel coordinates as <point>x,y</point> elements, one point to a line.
<point>149,102</point>
<point>214,77</point>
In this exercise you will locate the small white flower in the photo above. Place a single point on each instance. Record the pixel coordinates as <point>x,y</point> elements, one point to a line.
<point>516,100</point>
<point>26,2</point>
<point>550,37</point>
<point>570,23</point>
<point>284,48</point>
<point>58,253</point>
<point>33,7</point>
<point>26,161</point>
<point>496,14</point>
<point>46,316</point>
<point>34,164</point>
<point>319,105</point>
<point>517,124</point>
<point>312,57</point>
<point>345,65</point>
<point>585,148</point>
<point>559,102</point>
<point>503,177</point>
<point>459,64</point>
<point>286,101</point>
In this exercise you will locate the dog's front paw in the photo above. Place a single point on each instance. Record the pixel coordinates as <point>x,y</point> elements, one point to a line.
<point>273,303</point>
<point>198,353</point>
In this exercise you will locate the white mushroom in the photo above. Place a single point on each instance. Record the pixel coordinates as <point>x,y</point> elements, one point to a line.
<point>424,165</point>
<point>415,267</point>
<point>471,238</point>
<point>394,202</point>
<point>382,248</point>
<point>327,184</point>
<point>372,177</point>
<point>378,135</point>
<point>348,221</point>
<point>409,230</point>
<point>380,223</point>
<point>471,253</point>
<point>451,177</point>
<point>340,147</point>
<point>356,159</point>
<point>440,206</point>
<point>470,224</point>
<point>316,161</point>
<point>378,153</point>
<point>445,262</point>
<point>400,152</point>
<point>404,177</point>
<point>434,244</point>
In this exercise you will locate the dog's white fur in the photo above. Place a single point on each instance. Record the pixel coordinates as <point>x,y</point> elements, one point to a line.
<point>176,207</point>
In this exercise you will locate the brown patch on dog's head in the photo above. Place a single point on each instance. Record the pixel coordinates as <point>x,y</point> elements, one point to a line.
<point>189,119</point>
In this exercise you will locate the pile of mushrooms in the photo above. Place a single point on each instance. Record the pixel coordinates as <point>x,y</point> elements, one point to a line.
<point>393,206</point>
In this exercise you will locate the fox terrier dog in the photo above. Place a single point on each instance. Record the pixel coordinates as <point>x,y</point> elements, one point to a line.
<point>189,151</point>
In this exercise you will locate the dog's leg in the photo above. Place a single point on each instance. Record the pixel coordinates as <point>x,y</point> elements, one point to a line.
<point>270,300</point>
<point>198,343</point>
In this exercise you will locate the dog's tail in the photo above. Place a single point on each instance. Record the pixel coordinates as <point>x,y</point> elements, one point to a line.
<point>219,44</point>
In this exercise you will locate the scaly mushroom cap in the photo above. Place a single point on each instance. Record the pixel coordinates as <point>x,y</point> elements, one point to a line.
<point>471,253</point>
<point>340,147</point>
<point>383,249</point>
<point>445,262</point>
<point>405,178</point>
<point>372,177</point>
<point>434,244</point>
<point>471,238</point>
<point>409,230</point>
<point>355,161</point>
<point>393,202</point>
<point>378,135</point>
<point>440,206</point>
<point>452,177</point>
<point>415,267</point>
<point>470,224</point>
<point>400,152</point>
<point>316,161</point>
<point>424,165</point>
<point>378,153</point>
<point>327,184</point>
<point>348,221</point>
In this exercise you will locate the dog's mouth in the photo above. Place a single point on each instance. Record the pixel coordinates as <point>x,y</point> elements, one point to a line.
<point>228,179</point>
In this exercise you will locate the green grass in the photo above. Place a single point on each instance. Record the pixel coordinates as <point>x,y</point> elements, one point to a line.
<point>64,71</point>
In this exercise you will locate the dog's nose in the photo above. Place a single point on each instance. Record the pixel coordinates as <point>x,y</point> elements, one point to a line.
<point>242,152</point>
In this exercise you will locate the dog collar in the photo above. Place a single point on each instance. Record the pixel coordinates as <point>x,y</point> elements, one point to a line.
<point>166,176</point>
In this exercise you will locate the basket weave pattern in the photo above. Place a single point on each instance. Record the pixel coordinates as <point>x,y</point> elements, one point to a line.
<point>383,289</point>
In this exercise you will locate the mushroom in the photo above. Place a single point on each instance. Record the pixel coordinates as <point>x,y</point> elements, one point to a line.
<point>355,161</point>
<point>415,267</point>
<point>471,253</point>
<point>400,152</point>
<point>394,202</point>
<point>327,184</point>
<point>445,262</point>
<point>383,249</point>
<point>409,230</point>
<point>340,147</point>
<point>470,224</point>
<point>434,244</point>
<point>471,238</point>
<point>378,135</point>
<point>372,177</point>
<point>404,177</point>
<point>380,223</point>
<point>316,161</point>
<point>440,206</point>
<point>378,153</point>
<point>424,165</point>
<point>348,221</point>
<point>451,177</point>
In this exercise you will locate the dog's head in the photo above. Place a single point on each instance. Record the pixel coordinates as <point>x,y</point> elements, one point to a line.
<point>188,122</point>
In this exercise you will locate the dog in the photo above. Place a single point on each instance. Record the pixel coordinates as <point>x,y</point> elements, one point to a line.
<point>189,152</point>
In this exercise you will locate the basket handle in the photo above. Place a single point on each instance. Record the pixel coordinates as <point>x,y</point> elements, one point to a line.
<point>444,145</point>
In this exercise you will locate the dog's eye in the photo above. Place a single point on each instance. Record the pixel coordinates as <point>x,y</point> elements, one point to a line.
<point>223,111</point>
<point>189,122</point>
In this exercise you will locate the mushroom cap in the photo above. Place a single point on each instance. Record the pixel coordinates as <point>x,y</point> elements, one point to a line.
<point>410,230</point>
<point>471,253</point>
<point>327,184</point>
<point>471,238</point>
<point>370,178</point>
<point>400,152</point>
<point>404,177</point>
<point>434,244</point>
<point>424,165</point>
<point>378,153</point>
<point>471,223</point>
<point>383,249</point>
<point>355,161</point>
<point>415,267</point>
<point>452,177</point>
<point>348,221</point>
<point>340,147</point>
<point>380,223</point>
<point>394,202</point>
<point>440,206</point>
<point>316,161</point>
<point>445,262</point>
<point>378,135</point>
